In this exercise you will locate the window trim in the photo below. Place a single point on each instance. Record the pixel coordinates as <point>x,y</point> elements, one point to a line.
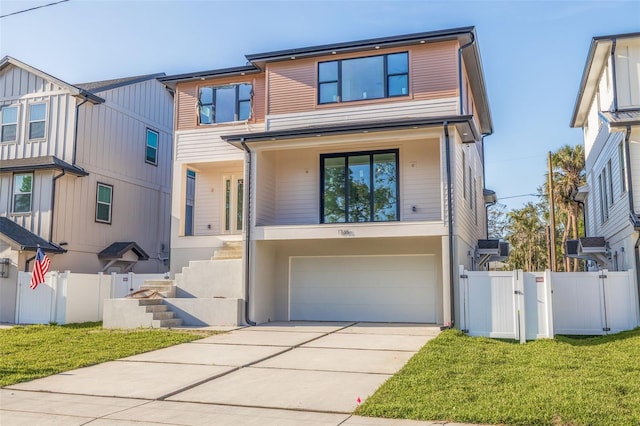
<point>46,116</point>
<point>106,185</point>
<point>395,151</point>
<point>147,146</point>
<point>17,107</point>
<point>238,101</point>
<point>386,76</point>
<point>623,168</point>
<point>610,173</point>
<point>14,193</point>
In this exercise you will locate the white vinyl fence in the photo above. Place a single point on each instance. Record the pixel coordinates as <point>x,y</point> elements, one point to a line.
<point>531,305</point>
<point>69,297</point>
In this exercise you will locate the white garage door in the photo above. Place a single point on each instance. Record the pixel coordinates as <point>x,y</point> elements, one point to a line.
<point>363,288</point>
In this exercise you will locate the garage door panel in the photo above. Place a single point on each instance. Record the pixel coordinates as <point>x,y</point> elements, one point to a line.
<point>363,288</point>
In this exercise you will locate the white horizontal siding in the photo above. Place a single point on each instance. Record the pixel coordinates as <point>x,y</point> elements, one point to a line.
<point>383,111</point>
<point>265,189</point>
<point>205,144</point>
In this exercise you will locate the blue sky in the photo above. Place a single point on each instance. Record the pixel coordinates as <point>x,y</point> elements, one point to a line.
<point>533,52</point>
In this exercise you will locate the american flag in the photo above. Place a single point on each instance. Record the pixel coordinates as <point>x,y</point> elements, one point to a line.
<point>40,268</point>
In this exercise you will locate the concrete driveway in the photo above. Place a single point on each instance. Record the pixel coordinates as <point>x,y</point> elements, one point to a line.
<point>277,373</point>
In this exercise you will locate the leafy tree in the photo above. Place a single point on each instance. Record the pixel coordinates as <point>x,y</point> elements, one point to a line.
<point>497,221</point>
<point>526,233</point>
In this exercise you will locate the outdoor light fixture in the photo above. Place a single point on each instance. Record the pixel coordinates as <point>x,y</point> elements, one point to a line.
<point>4,267</point>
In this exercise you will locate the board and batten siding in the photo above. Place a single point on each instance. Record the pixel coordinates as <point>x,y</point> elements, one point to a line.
<point>21,88</point>
<point>38,220</point>
<point>628,73</point>
<point>292,85</point>
<point>187,99</point>
<point>294,176</point>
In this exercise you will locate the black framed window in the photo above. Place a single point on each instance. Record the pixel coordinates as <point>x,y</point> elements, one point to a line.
<point>359,187</point>
<point>151,151</point>
<point>370,77</point>
<point>104,203</point>
<point>224,104</point>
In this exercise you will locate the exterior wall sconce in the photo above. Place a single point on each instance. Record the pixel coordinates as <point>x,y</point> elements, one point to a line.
<point>4,267</point>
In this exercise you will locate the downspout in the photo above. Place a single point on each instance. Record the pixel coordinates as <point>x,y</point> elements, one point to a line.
<point>75,131</point>
<point>473,40</point>
<point>247,263</point>
<point>53,203</point>
<point>449,218</point>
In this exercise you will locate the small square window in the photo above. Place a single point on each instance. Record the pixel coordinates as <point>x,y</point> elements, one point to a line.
<point>151,153</point>
<point>104,203</point>
<point>37,121</point>
<point>9,119</point>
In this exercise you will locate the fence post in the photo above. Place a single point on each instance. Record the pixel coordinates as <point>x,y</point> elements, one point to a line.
<point>548,303</point>
<point>603,300</point>
<point>519,295</point>
<point>463,284</point>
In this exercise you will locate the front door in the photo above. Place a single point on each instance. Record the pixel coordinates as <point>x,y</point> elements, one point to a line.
<point>232,215</point>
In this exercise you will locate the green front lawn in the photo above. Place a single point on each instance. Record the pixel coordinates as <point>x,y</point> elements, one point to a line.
<point>35,351</point>
<point>566,381</point>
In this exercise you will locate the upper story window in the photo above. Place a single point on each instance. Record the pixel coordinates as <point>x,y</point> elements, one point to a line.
<point>623,168</point>
<point>9,131</point>
<point>224,104</point>
<point>371,77</point>
<point>37,121</point>
<point>151,155</point>
<point>22,190</point>
<point>104,202</point>
<point>359,187</point>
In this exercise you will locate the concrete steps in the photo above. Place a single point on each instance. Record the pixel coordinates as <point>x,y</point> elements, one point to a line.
<point>229,250</point>
<point>162,315</point>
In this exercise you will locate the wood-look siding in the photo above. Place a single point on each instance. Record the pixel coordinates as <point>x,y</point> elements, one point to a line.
<point>186,99</point>
<point>22,89</point>
<point>292,85</point>
<point>294,177</point>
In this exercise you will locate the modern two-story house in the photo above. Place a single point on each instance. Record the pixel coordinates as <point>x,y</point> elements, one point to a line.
<point>353,172</point>
<point>85,173</point>
<point>608,110</point>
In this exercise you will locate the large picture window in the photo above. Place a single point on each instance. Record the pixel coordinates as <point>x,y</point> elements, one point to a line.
<point>37,121</point>
<point>104,203</point>
<point>22,190</point>
<point>223,104</point>
<point>371,77</point>
<point>9,124</point>
<point>359,187</point>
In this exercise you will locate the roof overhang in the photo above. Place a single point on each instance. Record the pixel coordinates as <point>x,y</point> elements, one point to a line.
<point>463,124</point>
<point>20,238</point>
<point>172,80</point>
<point>622,118</point>
<point>599,52</point>
<point>49,162</point>
<point>75,91</point>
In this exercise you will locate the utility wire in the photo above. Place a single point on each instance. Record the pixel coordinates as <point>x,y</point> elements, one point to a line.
<point>33,8</point>
<point>522,195</point>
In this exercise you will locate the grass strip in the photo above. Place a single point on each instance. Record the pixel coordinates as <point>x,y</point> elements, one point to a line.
<point>35,351</point>
<point>564,381</point>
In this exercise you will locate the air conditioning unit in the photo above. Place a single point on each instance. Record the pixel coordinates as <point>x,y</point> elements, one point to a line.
<point>589,248</point>
<point>485,249</point>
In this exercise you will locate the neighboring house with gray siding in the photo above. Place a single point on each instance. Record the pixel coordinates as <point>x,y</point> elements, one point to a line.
<point>352,172</point>
<point>83,167</point>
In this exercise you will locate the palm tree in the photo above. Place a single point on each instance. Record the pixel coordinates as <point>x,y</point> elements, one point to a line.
<point>568,174</point>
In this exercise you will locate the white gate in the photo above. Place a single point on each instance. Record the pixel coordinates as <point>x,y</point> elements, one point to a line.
<point>594,303</point>
<point>39,305</point>
<point>492,304</point>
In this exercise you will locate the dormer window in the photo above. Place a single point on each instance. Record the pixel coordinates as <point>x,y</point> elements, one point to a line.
<point>371,77</point>
<point>224,104</point>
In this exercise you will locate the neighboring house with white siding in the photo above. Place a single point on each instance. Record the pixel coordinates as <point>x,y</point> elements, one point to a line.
<point>353,172</point>
<point>608,110</point>
<point>83,169</point>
